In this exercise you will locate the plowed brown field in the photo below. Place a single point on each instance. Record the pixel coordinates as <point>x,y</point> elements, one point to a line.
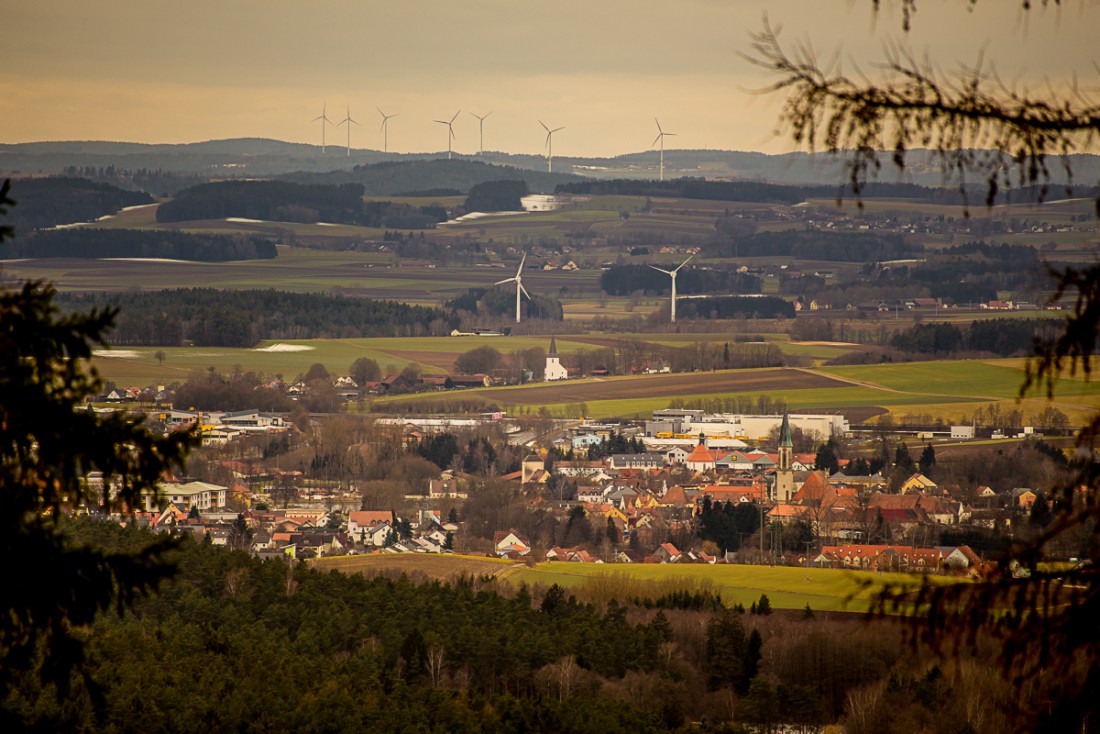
<point>695,383</point>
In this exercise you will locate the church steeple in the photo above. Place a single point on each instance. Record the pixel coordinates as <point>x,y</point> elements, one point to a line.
<point>785,441</point>
<point>553,348</point>
<point>784,475</point>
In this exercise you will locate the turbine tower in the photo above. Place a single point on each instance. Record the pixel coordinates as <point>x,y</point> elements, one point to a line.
<point>450,131</point>
<point>549,146</point>
<point>385,130</point>
<point>349,122</point>
<point>661,137</point>
<point>672,273</point>
<point>518,278</point>
<point>481,129</point>
<point>324,121</point>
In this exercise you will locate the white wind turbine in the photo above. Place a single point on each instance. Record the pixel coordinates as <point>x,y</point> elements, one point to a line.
<point>385,129</point>
<point>481,129</point>
<point>324,121</point>
<point>450,131</point>
<point>349,122</point>
<point>518,278</point>
<point>549,146</point>
<point>661,137</point>
<point>672,273</point>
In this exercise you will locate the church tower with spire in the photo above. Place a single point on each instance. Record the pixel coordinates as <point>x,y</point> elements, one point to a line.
<point>784,474</point>
<point>554,369</point>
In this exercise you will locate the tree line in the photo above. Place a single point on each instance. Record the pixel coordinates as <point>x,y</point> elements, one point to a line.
<point>622,280</point>
<point>48,202</point>
<point>815,245</point>
<point>243,318</point>
<point>1005,337</point>
<point>86,242</point>
<point>284,201</point>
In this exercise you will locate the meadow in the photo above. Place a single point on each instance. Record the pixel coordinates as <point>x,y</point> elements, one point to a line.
<point>824,589</point>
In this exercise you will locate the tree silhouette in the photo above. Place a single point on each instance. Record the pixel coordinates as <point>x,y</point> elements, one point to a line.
<point>49,444</point>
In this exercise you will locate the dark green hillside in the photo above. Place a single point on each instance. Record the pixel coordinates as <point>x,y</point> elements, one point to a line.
<point>394,178</point>
<point>48,202</point>
<point>90,243</point>
<point>242,318</point>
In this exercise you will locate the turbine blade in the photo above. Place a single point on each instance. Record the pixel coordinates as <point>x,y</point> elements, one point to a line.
<point>672,134</point>
<point>558,128</point>
<point>506,280</point>
<point>522,260</point>
<point>661,270</point>
<point>488,113</point>
<point>456,115</point>
<point>524,291</point>
<point>655,140</point>
<point>685,262</point>
<point>544,126</point>
<point>658,124</point>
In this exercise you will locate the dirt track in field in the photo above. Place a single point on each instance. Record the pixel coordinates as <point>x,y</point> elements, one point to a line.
<point>696,383</point>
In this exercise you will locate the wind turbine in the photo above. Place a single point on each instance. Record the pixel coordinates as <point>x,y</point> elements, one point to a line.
<point>481,129</point>
<point>385,129</point>
<point>518,278</point>
<point>450,131</point>
<point>661,136</point>
<point>324,121</point>
<point>349,122</point>
<point>549,146</point>
<point>672,273</point>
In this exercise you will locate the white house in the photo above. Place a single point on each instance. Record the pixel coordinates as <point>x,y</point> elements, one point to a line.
<point>554,369</point>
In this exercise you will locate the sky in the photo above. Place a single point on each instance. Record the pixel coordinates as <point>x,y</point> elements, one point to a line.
<point>154,71</point>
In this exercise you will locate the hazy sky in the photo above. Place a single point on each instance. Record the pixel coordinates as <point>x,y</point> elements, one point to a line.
<point>158,71</point>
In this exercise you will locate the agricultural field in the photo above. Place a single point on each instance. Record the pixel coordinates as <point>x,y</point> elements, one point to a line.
<point>436,567</point>
<point>295,269</point>
<point>786,587</point>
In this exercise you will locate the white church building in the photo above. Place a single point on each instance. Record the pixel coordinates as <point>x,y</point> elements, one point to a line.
<point>554,369</point>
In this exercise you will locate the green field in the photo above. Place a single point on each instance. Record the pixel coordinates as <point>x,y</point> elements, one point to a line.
<point>786,587</point>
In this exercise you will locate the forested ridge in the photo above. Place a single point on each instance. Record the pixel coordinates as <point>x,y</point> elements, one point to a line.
<point>621,280</point>
<point>284,201</point>
<point>816,245</point>
<point>233,643</point>
<point>48,202</point>
<point>86,242</point>
<point>243,318</point>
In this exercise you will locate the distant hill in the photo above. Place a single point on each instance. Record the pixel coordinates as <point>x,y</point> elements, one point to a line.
<point>400,177</point>
<point>262,157</point>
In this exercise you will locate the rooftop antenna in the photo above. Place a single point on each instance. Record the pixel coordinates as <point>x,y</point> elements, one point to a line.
<point>324,121</point>
<point>518,278</point>
<point>661,137</point>
<point>385,129</point>
<point>481,129</point>
<point>549,146</point>
<point>450,131</point>
<point>349,122</point>
<point>672,273</point>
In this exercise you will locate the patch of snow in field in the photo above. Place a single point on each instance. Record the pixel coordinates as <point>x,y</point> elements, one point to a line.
<point>242,220</point>
<point>117,353</point>
<point>284,348</point>
<point>479,215</point>
<point>326,224</point>
<point>148,260</point>
<point>136,206</point>
<point>105,217</point>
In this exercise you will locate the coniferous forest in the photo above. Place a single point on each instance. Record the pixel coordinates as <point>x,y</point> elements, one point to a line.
<point>234,643</point>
